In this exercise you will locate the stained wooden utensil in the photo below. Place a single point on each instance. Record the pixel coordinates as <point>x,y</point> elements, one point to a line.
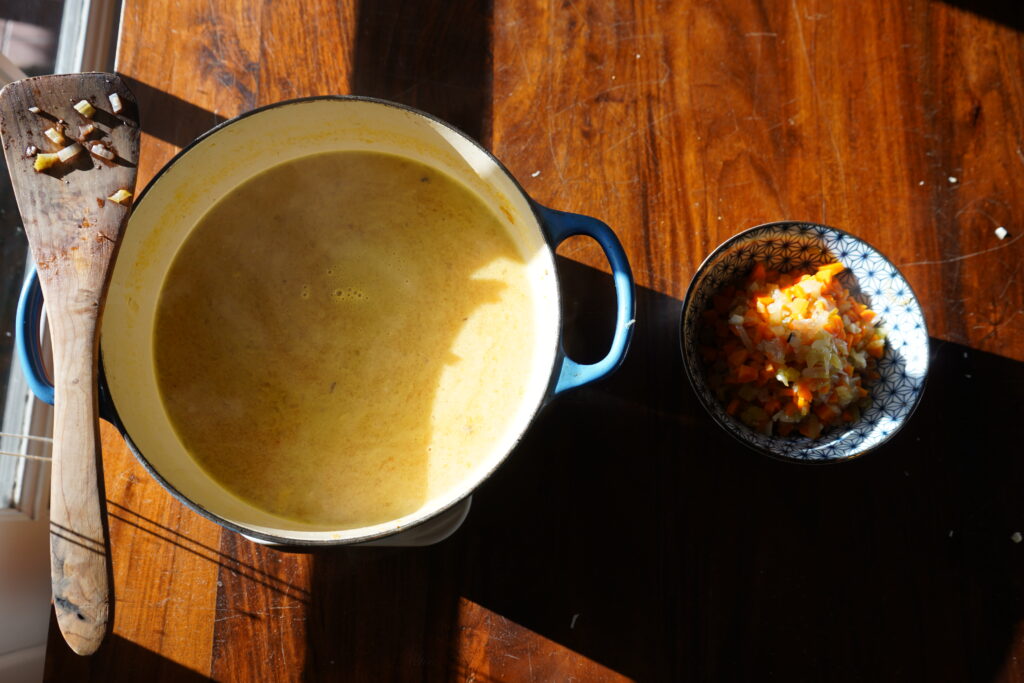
<point>73,228</point>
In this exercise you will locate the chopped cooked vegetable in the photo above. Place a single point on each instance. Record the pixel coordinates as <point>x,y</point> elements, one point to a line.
<point>69,152</point>
<point>55,136</point>
<point>790,351</point>
<point>85,108</point>
<point>115,102</point>
<point>85,131</point>
<point>98,149</point>
<point>122,196</point>
<point>34,109</point>
<point>45,161</point>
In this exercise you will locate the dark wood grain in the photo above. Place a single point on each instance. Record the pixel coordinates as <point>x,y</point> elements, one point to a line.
<point>627,536</point>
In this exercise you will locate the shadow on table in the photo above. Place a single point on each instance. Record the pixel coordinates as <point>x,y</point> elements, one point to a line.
<point>145,664</point>
<point>629,528</point>
<point>431,55</point>
<point>1007,13</point>
<point>168,117</point>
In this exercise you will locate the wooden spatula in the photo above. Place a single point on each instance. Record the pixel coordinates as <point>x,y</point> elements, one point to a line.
<point>74,228</point>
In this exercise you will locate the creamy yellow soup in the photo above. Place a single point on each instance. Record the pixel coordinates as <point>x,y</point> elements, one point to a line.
<point>344,337</point>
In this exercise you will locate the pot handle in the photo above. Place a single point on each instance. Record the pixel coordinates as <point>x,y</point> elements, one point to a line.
<point>559,226</point>
<point>27,342</point>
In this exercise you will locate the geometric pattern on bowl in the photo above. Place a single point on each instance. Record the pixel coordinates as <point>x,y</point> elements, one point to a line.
<point>873,280</point>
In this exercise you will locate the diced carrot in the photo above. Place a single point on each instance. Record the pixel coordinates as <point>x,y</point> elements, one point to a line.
<point>737,357</point>
<point>734,405</point>
<point>745,373</point>
<point>722,303</point>
<point>811,427</point>
<point>826,412</point>
<point>828,271</point>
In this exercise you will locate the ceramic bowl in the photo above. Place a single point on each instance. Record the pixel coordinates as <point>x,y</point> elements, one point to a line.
<point>873,280</point>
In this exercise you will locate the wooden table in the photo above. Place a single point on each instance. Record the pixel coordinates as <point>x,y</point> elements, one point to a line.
<point>627,536</point>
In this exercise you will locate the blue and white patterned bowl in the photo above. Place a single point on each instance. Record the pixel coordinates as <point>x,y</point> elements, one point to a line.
<point>873,280</point>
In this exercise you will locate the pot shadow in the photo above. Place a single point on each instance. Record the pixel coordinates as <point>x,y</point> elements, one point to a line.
<point>434,56</point>
<point>631,529</point>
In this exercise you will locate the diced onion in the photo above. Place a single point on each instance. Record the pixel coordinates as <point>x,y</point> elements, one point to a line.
<point>69,152</point>
<point>85,108</point>
<point>121,196</point>
<point>55,136</point>
<point>115,102</point>
<point>101,151</point>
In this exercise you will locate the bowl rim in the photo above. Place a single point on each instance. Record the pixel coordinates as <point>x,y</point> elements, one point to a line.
<point>687,302</point>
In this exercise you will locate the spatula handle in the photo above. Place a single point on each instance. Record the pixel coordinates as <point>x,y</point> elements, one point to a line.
<point>79,547</point>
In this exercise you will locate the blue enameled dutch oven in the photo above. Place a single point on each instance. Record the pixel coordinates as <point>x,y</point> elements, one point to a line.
<point>234,152</point>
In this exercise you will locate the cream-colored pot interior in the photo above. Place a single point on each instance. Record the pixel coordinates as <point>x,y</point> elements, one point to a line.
<point>203,174</point>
